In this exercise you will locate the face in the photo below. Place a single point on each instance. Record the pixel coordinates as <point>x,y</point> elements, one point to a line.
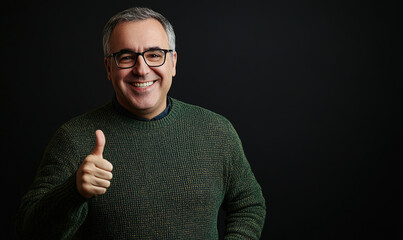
<point>142,90</point>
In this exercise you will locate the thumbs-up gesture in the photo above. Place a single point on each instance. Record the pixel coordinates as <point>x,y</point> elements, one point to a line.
<point>94,174</point>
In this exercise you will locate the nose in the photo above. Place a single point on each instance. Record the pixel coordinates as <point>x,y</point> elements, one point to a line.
<point>141,68</point>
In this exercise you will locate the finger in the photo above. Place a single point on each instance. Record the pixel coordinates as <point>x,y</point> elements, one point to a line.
<point>99,143</point>
<point>104,165</point>
<point>98,190</point>
<point>102,174</point>
<point>98,182</point>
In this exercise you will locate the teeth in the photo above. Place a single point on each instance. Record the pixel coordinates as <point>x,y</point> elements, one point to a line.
<point>143,84</point>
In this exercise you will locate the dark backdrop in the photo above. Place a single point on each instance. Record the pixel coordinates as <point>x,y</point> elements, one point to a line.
<point>309,86</point>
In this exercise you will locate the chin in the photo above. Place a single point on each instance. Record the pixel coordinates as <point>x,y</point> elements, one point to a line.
<point>144,104</point>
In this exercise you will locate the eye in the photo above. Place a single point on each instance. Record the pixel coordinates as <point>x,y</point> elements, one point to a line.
<point>125,57</point>
<point>154,54</point>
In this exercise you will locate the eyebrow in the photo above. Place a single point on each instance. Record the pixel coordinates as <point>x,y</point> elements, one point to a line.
<point>131,50</point>
<point>154,48</point>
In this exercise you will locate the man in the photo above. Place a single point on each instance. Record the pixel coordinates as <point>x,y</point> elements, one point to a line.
<point>157,168</point>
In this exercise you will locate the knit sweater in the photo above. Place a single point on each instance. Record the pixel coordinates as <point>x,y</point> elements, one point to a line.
<point>170,177</point>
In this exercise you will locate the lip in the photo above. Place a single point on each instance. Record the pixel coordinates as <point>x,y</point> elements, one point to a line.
<point>141,89</point>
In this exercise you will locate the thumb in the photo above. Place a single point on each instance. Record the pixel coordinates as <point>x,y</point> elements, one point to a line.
<point>99,143</point>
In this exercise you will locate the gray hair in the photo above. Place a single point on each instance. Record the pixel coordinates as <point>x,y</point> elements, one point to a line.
<point>133,15</point>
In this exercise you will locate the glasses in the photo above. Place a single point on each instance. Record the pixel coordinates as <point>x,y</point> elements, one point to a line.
<point>128,59</point>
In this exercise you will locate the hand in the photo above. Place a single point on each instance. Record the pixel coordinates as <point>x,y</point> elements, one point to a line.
<point>94,175</point>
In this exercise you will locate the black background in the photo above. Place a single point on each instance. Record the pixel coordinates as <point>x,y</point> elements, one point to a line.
<point>311,87</point>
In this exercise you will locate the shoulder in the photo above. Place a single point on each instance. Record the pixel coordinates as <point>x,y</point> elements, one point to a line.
<point>78,132</point>
<point>196,115</point>
<point>194,111</point>
<point>91,119</point>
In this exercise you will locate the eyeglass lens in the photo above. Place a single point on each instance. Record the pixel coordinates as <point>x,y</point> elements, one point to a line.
<point>153,58</point>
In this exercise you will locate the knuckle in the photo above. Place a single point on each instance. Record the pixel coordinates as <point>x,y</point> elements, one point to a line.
<point>86,179</point>
<point>88,159</point>
<point>87,169</point>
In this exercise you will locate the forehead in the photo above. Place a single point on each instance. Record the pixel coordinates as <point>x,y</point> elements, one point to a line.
<point>138,35</point>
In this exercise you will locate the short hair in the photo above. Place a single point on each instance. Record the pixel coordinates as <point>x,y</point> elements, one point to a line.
<point>133,15</point>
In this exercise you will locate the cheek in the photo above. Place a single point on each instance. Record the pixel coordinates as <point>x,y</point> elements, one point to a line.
<point>166,76</point>
<point>168,71</point>
<point>118,75</point>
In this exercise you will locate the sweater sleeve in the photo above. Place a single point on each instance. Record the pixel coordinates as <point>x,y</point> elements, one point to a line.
<point>244,202</point>
<point>53,207</point>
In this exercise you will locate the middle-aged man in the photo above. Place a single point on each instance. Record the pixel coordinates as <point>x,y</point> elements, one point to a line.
<point>174,164</point>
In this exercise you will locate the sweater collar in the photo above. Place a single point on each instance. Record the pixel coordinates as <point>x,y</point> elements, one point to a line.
<point>119,108</point>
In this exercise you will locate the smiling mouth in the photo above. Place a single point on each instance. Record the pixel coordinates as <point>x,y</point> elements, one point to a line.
<point>142,84</point>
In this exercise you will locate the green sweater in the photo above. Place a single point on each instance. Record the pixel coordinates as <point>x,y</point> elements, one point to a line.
<point>170,177</point>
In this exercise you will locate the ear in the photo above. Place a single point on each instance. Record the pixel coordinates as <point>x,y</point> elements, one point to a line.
<point>174,61</point>
<point>108,67</point>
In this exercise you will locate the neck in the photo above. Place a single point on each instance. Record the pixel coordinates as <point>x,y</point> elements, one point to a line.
<point>146,113</point>
<point>143,114</point>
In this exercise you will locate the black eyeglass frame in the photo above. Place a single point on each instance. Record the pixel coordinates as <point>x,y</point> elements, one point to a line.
<point>137,56</point>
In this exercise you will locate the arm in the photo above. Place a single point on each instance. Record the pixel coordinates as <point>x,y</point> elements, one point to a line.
<point>244,202</point>
<point>53,208</point>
